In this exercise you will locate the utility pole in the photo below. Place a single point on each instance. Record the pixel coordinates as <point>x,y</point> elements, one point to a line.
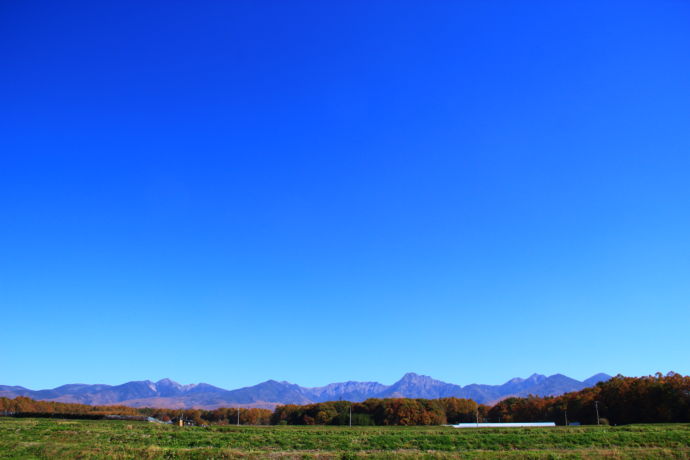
<point>238,416</point>
<point>566,416</point>
<point>596,407</point>
<point>350,415</point>
<point>477,415</point>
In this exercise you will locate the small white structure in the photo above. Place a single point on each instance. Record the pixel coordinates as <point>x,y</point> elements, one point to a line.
<point>503,425</point>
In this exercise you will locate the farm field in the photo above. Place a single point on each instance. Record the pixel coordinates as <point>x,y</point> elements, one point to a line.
<point>24,438</point>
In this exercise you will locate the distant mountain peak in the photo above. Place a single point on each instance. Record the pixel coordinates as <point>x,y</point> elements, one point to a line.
<point>596,378</point>
<point>410,377</point>
<point>600,375</point>
<point>168,385</point>
<point>413,377</point>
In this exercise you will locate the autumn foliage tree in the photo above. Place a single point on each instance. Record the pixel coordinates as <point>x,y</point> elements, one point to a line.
<point>620,400</point>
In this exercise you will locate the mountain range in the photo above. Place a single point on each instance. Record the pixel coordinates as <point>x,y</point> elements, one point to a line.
<point>169,394</point>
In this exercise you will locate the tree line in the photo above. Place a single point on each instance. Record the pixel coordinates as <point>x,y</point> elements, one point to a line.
<point>389,411</point>
<point>23,406</point>
<point>620,400</point>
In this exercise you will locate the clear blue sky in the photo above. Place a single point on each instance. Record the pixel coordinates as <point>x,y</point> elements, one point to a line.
<point>231,192</point>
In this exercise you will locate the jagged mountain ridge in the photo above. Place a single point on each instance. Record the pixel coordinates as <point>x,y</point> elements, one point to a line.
<point>170,394</point>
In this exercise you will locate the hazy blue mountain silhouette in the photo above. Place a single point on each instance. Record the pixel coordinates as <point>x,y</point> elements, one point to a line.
<point>168,393</point>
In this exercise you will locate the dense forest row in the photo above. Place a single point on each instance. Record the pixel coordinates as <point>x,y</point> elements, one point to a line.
<point>621,400</point>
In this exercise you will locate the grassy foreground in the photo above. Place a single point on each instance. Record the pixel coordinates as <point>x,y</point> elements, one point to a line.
<point>46,438</point>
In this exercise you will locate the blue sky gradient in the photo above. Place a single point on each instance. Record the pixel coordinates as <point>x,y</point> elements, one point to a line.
<point>231,192</point>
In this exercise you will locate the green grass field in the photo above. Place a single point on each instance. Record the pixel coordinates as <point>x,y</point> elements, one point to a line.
<point>49,438</point>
